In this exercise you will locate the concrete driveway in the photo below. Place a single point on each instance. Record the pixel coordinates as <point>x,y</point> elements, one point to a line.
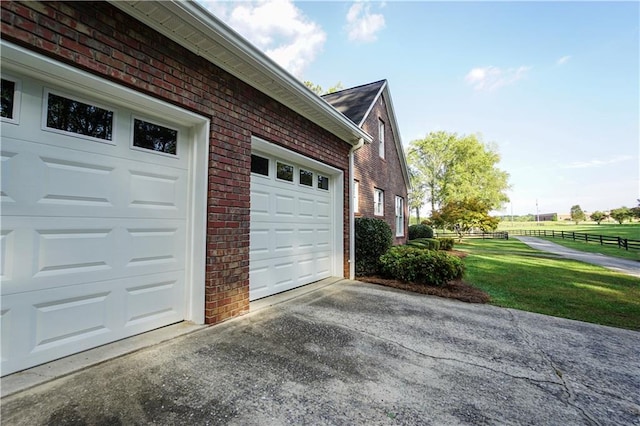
<point>355,354</point>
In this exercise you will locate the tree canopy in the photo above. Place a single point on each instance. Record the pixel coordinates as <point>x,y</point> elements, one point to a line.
<point>577,214</point>
<point>462,216</point>
<point>457,168</point>
<point>318,90</point>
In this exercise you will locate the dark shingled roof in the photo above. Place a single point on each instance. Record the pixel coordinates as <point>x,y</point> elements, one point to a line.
<point>355,102</point>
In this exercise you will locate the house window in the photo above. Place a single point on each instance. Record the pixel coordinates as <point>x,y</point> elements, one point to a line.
<point>399,217</point>
<point>10,100</point>
<point>284,171</point>
<point>381,138</point>
<point>154,137</point>
<point>378,202</point>
<point>259,165</point>
<point>356,196</point>
<point>306,177</point>
<point>73,116</point>
<point>323,182</point>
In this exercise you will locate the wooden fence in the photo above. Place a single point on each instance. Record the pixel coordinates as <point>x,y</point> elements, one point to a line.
<point>624,243</point>
<point>500,235</point>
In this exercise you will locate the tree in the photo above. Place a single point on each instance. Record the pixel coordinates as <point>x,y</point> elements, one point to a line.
<point>462,216</point>
<point>456,168</point>
<point>598,216</point>
<point>577,214</point>
<point>417,193</point>
<point>318,90</point>
<point>621,214</point>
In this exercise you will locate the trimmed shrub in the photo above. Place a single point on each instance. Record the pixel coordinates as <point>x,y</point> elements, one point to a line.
<point>425,243</point>
<point>373,238</point>
<point>419,266</point>
<point>420,231</point>
<point>446,243</point>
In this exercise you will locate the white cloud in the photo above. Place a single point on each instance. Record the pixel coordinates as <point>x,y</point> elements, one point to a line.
<point>362,25</point>
<point>597,162</point>
<point>490,78</point>
<point>277,27</point>
<point>563,60</point>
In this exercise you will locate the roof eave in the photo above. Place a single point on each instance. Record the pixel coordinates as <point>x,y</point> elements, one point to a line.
<point>194,28</point>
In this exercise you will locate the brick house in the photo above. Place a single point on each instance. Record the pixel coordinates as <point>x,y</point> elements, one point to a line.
<point>381,178</point>
<point>157,168</point>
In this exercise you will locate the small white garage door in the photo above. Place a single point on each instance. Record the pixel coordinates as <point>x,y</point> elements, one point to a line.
<point>94,222</point>
<point>293,238</point>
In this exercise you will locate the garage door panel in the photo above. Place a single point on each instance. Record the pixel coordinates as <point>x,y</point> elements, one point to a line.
<point>155,301</point>
<point>67,182</point>
<point>42,253</point>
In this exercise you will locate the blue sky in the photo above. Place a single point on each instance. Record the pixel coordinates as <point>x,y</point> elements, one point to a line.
<point>554,85</point>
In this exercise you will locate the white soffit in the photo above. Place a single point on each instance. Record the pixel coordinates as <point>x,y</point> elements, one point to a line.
<point>193,27</point>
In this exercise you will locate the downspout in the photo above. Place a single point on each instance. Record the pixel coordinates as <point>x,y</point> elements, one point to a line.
<point>352,216</point>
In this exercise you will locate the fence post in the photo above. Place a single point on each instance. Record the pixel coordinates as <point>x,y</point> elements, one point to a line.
<point>573,235</point>
<point>600,239</point>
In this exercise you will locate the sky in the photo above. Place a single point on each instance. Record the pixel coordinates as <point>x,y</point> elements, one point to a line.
<point>555,86</point>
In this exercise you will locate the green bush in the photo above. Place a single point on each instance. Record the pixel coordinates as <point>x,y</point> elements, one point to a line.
<point>425,243</point>
<point>419,266</point>
<point>446,243</point>
<point>420,231</point>
<point>373,238</point>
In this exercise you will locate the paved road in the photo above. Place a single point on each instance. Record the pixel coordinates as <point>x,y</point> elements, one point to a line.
<point>359,354</point>
<point>625,266</point>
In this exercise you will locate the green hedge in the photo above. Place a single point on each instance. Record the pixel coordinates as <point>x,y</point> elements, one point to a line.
<point>420,231</point>
<point>446,243</point>
<point>425,243</point>
<point>373,238</point>
<point>419,266</point>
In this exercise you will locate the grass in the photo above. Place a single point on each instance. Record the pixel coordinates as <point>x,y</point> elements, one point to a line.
<point>519,277</point>
<point>626,230</point>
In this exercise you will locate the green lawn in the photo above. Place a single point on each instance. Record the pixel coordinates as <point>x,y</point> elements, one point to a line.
<point>519,277</point>
<point>626,230</point>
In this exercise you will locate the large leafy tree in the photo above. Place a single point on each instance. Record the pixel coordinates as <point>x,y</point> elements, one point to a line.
<point>598,216</point>
<point>462,216</point>
<point>621,214</point>
<point>577,215</point>
<point>417,193</point>
<point>457,168</point>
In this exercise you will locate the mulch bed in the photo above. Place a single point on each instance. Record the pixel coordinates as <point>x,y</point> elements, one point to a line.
<point>457,289</point>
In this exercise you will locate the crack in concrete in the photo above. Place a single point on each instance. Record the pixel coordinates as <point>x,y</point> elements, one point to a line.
<point>568,389</point>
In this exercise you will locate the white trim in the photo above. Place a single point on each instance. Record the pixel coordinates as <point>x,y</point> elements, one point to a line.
<point>399,229</point>
<point>17,98</point>
<point>29,63</point>
<point>378,201</point>
<point>336,189</point>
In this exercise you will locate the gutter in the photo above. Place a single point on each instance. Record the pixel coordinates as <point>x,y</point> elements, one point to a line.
<point>352,215</point>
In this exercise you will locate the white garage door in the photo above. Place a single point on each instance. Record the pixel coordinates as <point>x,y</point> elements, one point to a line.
<point>94,222</point>
<point>293,238</point>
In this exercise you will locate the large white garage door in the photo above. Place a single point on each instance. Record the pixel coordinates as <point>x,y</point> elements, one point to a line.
<point>292,225</point>
<point>94,222</point>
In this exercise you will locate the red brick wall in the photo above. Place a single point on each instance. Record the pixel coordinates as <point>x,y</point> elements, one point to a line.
<point>372,171</point>
<point>100,39</point>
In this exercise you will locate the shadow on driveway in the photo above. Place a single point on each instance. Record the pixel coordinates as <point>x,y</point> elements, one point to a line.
<point>355,353</point>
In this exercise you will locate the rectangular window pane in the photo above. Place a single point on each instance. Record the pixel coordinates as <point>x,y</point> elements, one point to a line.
<point>323,182</point>
<point>74,116</point>
<point>154,137</point>
<point>259,165</point>
<point>381,138</point>
<point>306,177</point>
<point>378,202</point>
<point>399,217</point>
<point>8,95</point>
<point>284,172</point>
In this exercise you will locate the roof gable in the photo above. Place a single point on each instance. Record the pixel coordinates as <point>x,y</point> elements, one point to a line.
<point>356,102</point>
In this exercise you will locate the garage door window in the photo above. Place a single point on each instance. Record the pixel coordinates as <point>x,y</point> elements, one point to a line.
<point>284,172</point>
<point>68,115</point>
<point>10,100</point>
<point>259,165</point>
<point>323,182</point>
<point>154,137</point>
<point>306,177</point>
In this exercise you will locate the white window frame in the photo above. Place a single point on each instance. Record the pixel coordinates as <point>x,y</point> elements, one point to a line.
<point>157,123</point>
<point>17,98</point>
<point>378,202</point>
<point>381,138</point>
<point>356,196</point>
<point>76,98</point>
<point>399,216</point>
